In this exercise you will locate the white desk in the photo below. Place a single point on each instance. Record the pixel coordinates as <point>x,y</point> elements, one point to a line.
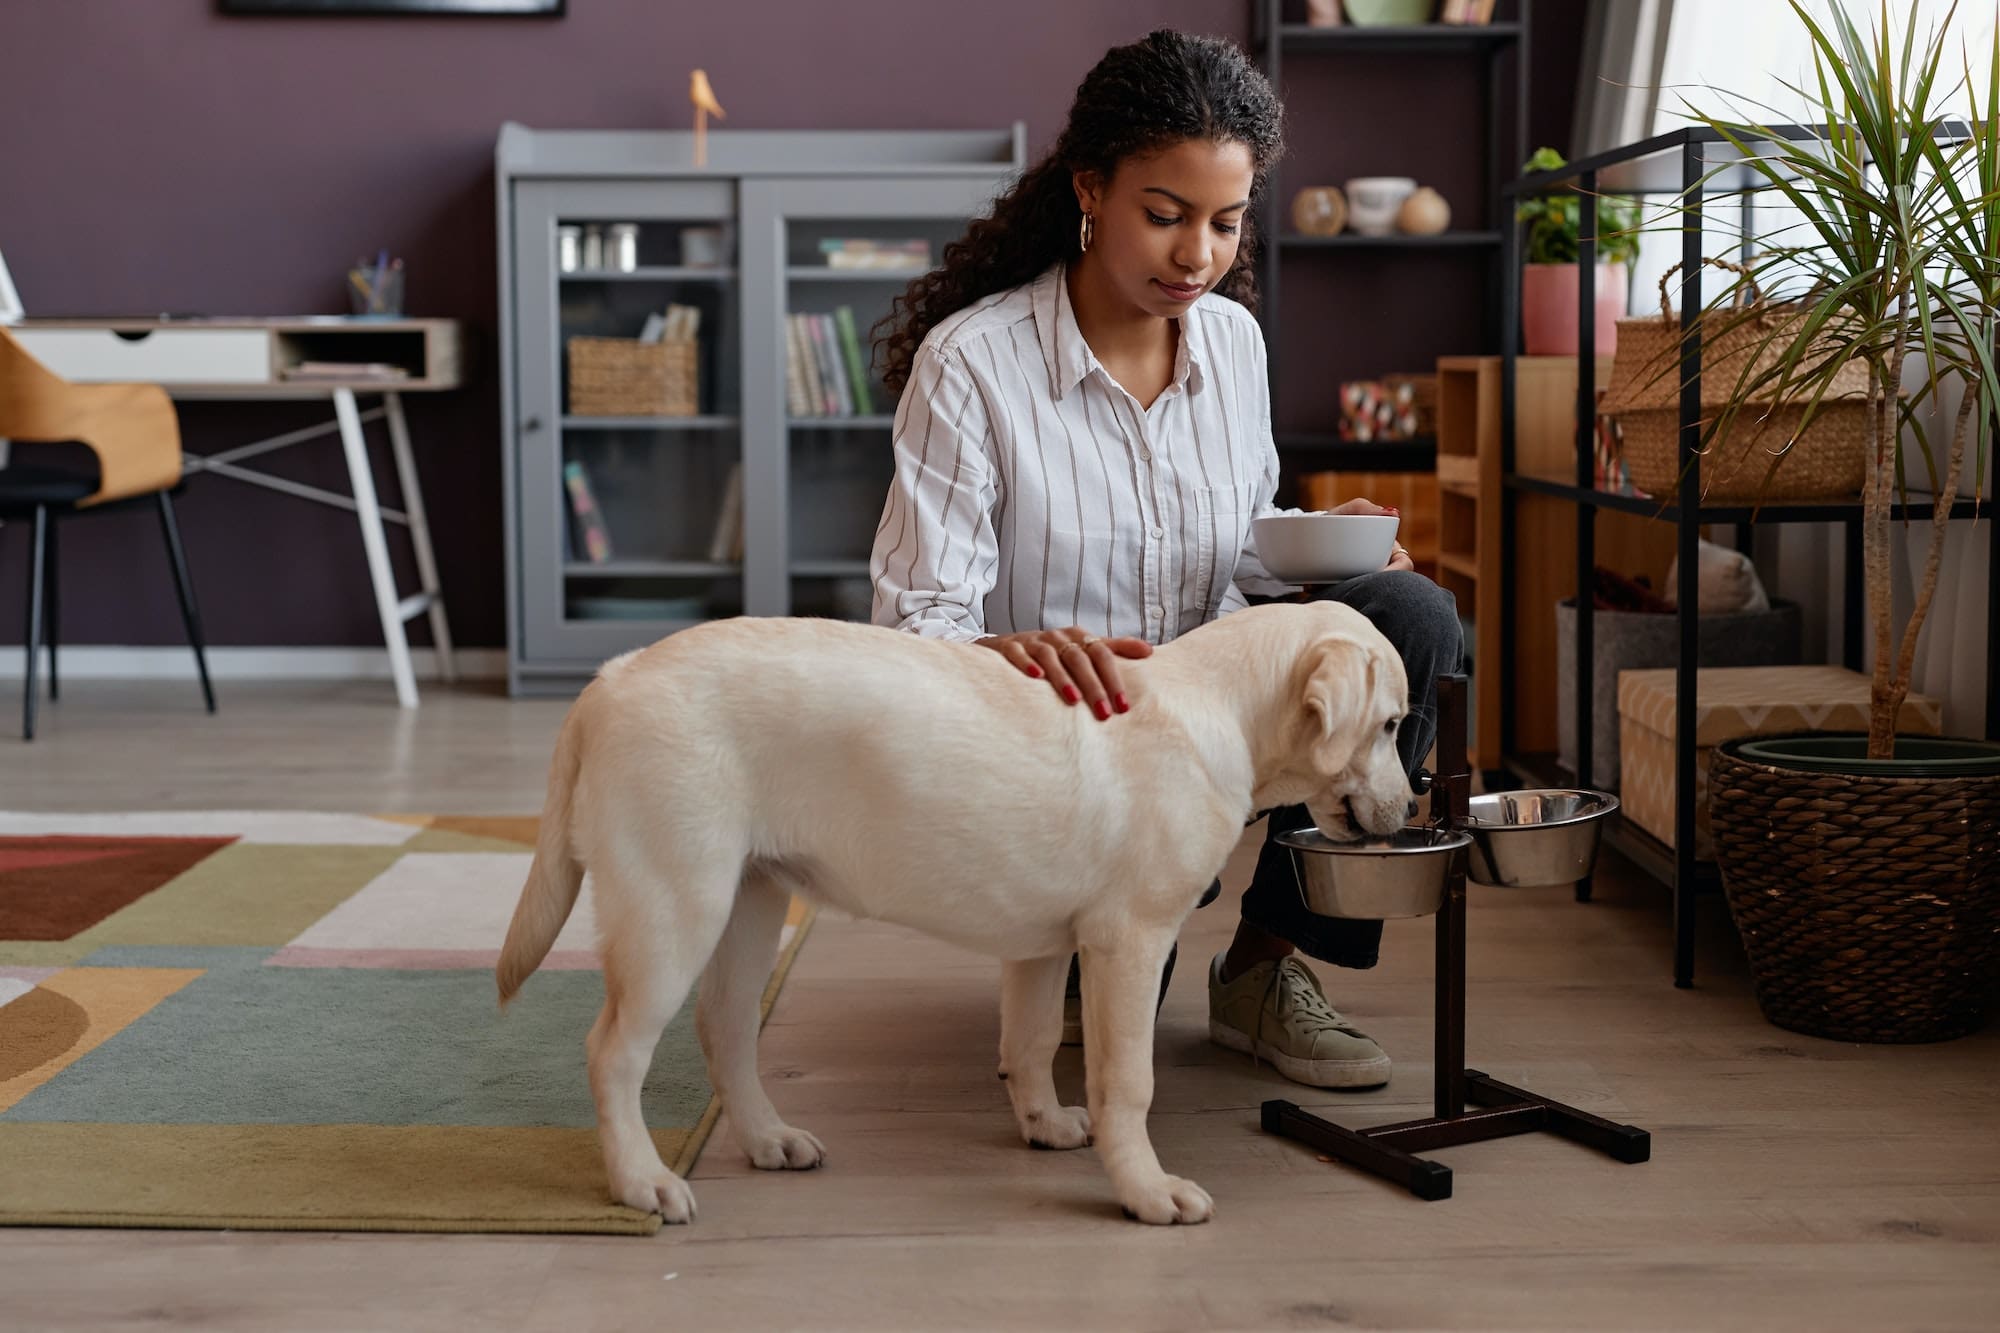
<point>259,360</point>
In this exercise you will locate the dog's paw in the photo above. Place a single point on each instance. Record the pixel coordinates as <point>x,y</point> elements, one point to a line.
<point>786,1150</point>
<point>1063,1128</point>
<point>658,1191</point>
<point>1168,1200</point>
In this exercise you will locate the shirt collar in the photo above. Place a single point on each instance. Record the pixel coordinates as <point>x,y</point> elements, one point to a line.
<point>1068,356</point>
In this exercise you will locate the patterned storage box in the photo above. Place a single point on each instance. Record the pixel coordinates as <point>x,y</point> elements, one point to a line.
<point>1732,702</point>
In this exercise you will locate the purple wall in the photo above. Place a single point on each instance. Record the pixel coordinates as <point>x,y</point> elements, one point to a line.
<point>160,157</point>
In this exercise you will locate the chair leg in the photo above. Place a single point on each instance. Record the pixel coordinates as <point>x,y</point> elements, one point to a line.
<point>190,615</point>
<point>53,623</point>
<point>30,693</point>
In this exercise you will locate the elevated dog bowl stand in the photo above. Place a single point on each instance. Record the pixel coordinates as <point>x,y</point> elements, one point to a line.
<point>1498,1109</point>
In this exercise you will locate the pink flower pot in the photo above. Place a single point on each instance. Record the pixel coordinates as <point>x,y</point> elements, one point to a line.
<point>1548,308</point>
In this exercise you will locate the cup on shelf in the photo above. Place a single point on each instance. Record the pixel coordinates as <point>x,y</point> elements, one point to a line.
<point>702,247</point>
<point>622,253</point>
<point>569,248</point>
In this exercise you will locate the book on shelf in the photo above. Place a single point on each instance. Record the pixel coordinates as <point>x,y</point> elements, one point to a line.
<point>725,546</point>
<point>857,365</point>
<point>1471,13</point>
<point>677,323</point>
<point>832,402</point>
<point>906,255</point>
<point>824,356</point>
<point>344,371</point>
<point>798,402</point>
<point>588,528</point>
<point>814,401</point>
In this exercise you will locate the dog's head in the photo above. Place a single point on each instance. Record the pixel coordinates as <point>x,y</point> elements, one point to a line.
<point>1353,696</point>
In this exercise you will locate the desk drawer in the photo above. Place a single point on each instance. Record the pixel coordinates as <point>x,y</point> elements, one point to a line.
<point>158,356</point>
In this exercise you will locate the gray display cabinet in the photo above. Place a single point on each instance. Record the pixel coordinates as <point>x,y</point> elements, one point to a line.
<point>811,487</point>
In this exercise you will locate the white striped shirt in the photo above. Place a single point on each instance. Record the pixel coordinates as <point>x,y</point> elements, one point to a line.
<point>1033,492</point>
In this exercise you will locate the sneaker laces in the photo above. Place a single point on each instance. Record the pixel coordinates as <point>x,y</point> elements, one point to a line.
<point>1307,1002</point>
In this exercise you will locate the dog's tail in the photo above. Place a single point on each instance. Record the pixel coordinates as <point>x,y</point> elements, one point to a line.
<point>555,877</point>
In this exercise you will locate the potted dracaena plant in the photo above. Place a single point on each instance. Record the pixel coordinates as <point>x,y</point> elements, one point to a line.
<point>1549,275</point>
<point>1863,871</point>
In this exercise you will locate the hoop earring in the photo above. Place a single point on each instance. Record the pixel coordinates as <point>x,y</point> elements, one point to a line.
<point>1084,231</point>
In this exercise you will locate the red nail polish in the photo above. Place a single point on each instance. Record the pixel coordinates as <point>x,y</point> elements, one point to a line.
<point>1034,672</point>
<point>1119,701</point>
<point>1102,709</point>
<point>1072,694</point>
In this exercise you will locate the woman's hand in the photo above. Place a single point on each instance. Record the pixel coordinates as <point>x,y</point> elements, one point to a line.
<point>1398,558</point>
<point>1082,667</point>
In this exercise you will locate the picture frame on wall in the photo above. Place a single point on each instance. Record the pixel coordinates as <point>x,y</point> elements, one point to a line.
<point>433,8</point>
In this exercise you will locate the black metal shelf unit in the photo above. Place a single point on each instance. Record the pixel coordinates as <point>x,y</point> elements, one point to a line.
<point>1700,166</point>
<point>1489,43</point>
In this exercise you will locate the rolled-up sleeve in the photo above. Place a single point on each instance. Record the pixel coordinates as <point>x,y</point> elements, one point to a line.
<point>936,550</point>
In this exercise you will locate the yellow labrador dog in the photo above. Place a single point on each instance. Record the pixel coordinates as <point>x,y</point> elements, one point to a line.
<point>704,780</point>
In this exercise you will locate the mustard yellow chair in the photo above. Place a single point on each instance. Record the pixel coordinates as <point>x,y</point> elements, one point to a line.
<point>135,438</point>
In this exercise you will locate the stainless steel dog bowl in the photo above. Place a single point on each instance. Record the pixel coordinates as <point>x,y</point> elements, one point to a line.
<point>1401,875</point>
<point>1527,839</point>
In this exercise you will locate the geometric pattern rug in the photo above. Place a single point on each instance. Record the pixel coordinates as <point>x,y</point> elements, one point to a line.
<point>271,1020</point>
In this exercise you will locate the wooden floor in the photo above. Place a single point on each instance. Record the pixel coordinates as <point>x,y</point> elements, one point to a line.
<point>1796,1183</point>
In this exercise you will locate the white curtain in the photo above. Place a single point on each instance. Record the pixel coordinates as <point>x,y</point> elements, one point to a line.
<point>1733,58</point>
<point>1618,83</point>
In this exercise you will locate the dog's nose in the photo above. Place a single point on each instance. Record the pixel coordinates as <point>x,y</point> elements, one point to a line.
<point>1411,813</point>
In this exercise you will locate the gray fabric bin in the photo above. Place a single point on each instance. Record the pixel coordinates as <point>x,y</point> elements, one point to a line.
<point>1630,640</point>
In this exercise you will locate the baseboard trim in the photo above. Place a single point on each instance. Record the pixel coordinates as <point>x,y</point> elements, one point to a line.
<point>107,662</point>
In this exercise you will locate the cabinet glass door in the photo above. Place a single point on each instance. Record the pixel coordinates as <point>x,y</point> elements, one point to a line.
<point>631,391</point>
<point>841,250</point>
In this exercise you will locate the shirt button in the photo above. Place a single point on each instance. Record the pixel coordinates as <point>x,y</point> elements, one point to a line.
<point>1159,532</point>
<point>1145,457</point>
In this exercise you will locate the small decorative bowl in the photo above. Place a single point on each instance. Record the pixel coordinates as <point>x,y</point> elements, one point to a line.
<point>1397,13</point>
<point>1374,201</point>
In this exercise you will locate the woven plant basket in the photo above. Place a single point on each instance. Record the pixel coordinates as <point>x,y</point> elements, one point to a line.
<point>1829,459</point>
<point>1869,905</point>
<point>623,377</point>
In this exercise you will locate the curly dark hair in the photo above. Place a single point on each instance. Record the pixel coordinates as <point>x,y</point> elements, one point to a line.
<point>1162,90</point>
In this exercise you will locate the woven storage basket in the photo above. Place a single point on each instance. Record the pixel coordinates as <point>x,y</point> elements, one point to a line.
<point>1829,460</point>
<point>623,377</point>
<point>1869,906</point>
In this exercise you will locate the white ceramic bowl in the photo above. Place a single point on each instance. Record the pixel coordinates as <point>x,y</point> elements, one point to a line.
<point>1374,201</point>
<point>1319,548</point>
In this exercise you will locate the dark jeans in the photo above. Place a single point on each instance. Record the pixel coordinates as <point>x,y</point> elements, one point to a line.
<point>1421,620</point>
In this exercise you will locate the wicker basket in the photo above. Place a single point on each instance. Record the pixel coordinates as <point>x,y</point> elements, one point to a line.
<point>1826,460</point>
<point>1869,906</point>
<point>623,377</point>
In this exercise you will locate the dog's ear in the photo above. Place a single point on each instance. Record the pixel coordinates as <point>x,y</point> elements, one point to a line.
<point>1340,675</point>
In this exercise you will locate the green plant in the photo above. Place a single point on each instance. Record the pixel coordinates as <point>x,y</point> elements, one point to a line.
<point>1553,221</point>
<point>1895,235</point>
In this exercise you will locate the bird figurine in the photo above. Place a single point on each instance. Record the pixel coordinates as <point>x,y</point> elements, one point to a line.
<point>705,105</point>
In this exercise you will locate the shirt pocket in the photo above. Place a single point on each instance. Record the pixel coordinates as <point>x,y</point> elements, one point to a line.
<point>1222,528</point>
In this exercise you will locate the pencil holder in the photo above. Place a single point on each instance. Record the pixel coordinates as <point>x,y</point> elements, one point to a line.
<point>376,293</point>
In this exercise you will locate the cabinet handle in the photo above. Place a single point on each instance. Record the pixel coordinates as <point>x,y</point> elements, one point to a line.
<point>530,425</point>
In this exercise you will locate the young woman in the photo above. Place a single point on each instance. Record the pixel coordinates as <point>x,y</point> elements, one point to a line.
<point>1083,438</point>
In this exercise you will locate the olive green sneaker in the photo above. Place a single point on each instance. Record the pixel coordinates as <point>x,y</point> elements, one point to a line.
<point>1276,1012</point>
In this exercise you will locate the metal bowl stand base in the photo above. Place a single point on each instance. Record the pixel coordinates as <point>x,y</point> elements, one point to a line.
<point>1499,1110</point>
